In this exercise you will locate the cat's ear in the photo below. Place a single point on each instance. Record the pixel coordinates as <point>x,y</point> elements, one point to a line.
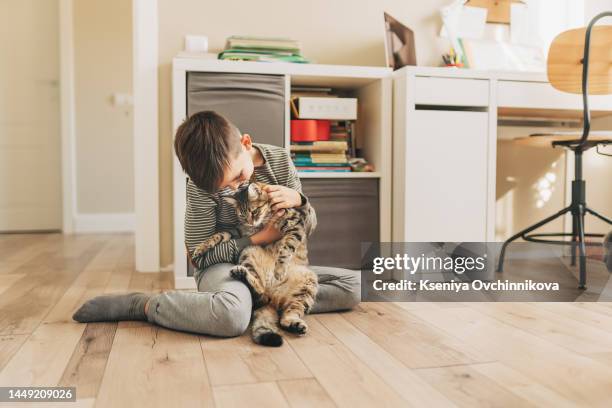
<point>255,191</point>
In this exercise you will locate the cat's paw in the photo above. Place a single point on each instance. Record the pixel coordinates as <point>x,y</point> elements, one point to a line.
<point>211,242</point>
<point>294,325</point>
<point>239,272</point>
<point>201,250</point>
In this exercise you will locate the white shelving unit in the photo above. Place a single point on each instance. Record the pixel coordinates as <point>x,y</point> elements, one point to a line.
<point>371,85</point>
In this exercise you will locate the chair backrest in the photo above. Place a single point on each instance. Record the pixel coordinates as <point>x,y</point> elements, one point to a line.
<point>565,55</point>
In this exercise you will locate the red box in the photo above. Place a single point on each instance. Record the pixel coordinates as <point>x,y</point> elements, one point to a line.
<point>323,127</point>
<point>304,130</point>
<point>310,130</point>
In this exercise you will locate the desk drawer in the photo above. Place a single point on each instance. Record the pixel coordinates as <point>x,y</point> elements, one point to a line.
<point>451,91</point>
<point>521,94</point>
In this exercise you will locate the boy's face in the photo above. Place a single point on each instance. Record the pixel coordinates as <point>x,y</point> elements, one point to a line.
<point>240,168</point>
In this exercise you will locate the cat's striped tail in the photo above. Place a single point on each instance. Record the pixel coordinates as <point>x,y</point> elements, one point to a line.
<point>265,329</point>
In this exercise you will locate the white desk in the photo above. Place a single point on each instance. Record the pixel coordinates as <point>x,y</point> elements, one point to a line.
<point>444,143</point>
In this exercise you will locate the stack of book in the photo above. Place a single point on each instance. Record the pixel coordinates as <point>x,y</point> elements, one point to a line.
<point>264,49</point>
<point>320,156</point>
<point>344,131</point>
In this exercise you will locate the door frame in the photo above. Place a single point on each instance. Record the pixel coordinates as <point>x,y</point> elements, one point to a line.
<point>145,131</point>
<point>145,45</point>
<point>67,115</point>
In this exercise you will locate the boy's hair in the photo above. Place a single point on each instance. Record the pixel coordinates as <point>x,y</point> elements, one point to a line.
<point>205,143</point>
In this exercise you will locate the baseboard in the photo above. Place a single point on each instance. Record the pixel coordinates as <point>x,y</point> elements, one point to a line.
<point>104,222</point>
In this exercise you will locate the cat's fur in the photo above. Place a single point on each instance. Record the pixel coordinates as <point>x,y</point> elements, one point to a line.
<point>282,285</point>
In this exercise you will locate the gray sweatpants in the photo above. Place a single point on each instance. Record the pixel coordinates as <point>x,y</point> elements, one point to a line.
<point>222,306</point>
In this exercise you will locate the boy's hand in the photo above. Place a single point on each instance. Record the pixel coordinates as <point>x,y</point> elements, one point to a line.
<point>283,197</point>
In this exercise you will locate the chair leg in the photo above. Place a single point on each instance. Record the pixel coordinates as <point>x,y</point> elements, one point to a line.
<point>596,214</point>
<point>502,254</point>
<point>574,239</point>
<point>582,247</point>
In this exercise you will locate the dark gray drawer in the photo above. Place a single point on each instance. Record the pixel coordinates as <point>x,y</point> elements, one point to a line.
<point>348,214</point>
<point>253,102</point>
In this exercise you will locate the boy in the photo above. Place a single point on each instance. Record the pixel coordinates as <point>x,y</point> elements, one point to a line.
<point>220,160</point>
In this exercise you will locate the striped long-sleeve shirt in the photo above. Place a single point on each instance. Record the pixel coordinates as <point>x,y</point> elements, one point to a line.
<point>207,213</point>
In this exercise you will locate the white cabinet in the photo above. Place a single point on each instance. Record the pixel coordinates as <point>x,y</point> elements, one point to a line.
<point>440,160</point>
<point>446,176</point>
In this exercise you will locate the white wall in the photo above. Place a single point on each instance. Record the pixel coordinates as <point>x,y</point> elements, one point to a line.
<point>594,7</point>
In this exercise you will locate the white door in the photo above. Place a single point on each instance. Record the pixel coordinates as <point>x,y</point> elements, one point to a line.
<point>30,144</point>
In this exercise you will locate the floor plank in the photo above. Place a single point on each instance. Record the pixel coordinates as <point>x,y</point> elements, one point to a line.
<point>579,313</point>
<point>265,394</point>
<point>305,393</point>
<point>86,366</point>
<point>48,278</point>
<point>238,360</point>
<point>579,379</point>
<point>152,366</point>
<point>42,358</point>
<point>401,378</point>
<point>468,388</point>
<point>9,346</point>
<point>347,379</point>
<point>495,340</point>
<point>392,330</point>
<point>8,281</point>
<point>537,394</point>
<point>556,328</point>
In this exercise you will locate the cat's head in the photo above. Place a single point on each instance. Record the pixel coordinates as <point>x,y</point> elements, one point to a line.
<point>251,204</point>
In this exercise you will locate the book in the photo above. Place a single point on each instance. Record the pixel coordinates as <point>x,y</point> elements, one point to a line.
<point>320,157</point>
<point>236,55</point>
<point>263,43</point>
<point>319,163</point>
<point>310,163</point>
<point>320,146</point>
<point>324,169</point>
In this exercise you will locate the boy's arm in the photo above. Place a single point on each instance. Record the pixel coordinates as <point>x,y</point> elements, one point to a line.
<point>293,181</point>
<point>201,224</point>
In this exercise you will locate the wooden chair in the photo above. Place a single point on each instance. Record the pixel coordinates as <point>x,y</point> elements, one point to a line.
<point>579,62</point>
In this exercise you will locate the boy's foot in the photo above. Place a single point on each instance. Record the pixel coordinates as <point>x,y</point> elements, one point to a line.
<point>130,306</point>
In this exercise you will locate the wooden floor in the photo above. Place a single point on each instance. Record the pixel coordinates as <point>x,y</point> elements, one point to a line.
<point>395,354</point>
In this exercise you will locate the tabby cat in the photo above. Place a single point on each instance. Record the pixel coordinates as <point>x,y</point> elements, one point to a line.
<point>282,285</point>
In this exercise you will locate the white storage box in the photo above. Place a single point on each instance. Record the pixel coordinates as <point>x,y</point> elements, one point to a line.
<point>327,108</point>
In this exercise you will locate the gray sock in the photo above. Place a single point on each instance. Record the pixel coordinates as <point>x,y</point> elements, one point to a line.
<point>106,308</point>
